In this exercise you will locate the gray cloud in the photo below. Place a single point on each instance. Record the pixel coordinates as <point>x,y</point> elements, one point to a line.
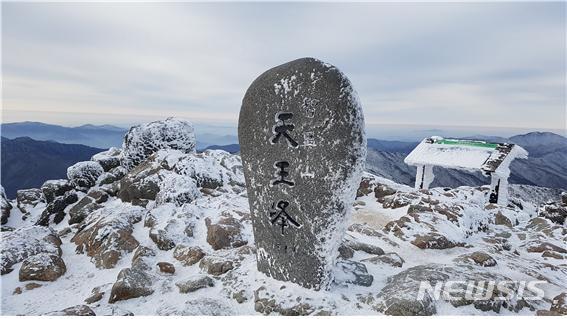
<point>477,64</point>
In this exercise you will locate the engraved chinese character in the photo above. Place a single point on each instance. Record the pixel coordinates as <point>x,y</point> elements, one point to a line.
<point>281,174</point>
<point>281,217</point>
<point>282,129</point>
<point>309,139</point>
<point>309,106</point>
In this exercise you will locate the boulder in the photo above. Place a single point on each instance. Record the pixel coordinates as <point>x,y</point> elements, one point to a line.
<point>42,267</point>
<point>57,209</point>
<point>98,195</point>
<point>352,272</point>
<point>479,258</point>
<point>500,219</point>
<point>177,189</point>
<point>27,199</point>
<point>141,184</point>
<point>112,176</point>
<point>83,175</point>
<point>24,242</point>
<point>160,238</point>
<point>227,233</point>
<point>367,248</point>
<point>54,188</point>
<point>131,283</point>
<point>554,213</point>
<point>215,266</point>
<point>391,259</point>
<point>405,295</point>
<point>96,295</point>
<point>559,304</point>
<point>108,159</point>
<point>188,255</point>
<point>194,284</point>
<point>433,241</point>
<point>211,169</point>
<point>143,140</point>
<point>106,233</point>
<point>166,267</point>
<point>5,206</point>
<point>79,310</point>
<point>82,209</point>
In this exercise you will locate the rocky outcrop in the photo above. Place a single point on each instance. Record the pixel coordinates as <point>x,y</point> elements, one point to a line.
<point>226,233</point>
<point>108,159</point>
<point>79,310</point>
<point>27,199</point>
<point>107,233</point>
<point>352,272</point>
<point>131,283</point>
<point>42,267</point>
<point>55,211</point>
<point>194,284</point>
<point>25,242</point>
<point>143,140</point>
<point>5,206</point>
<point>215,266</point>
<point>141,184</point>
<point>83,175</point>
<point>54,188</point>
<point>402,295</point>
<point>82,209</point>
<point>188,255</point>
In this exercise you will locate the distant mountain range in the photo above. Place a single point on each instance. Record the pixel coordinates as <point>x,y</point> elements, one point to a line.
<point>101,136</point>
<point>27,163</point>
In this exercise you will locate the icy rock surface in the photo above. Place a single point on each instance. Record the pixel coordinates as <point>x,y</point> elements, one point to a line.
<point>143,140</point>
<point>84,174</point>
<point>292,116</point>
<point>27,241</point>
<point>5,206</point>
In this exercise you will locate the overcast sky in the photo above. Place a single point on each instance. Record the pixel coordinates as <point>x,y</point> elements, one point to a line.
<point>475,64</point>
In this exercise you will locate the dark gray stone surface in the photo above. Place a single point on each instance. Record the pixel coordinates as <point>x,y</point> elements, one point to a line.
<point>322,156</point>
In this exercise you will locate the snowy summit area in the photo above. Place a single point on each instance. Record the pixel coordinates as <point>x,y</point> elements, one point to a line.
<point>155,228</point>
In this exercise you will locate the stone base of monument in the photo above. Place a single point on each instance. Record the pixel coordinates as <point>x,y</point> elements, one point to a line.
<point>303,148</point>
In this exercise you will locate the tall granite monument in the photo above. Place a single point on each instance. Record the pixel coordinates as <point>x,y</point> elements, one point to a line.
<point>303,147</point>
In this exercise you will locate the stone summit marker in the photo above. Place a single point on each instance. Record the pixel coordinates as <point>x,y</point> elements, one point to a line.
<point>303,148</point>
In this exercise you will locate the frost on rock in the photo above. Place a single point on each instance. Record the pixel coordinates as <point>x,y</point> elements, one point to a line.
<point>5,206</point>
<point>170,225</point>
<point>106,233</point>
<point>108,159</point>
<point>84,174</point>
<point>178,189</point>
<point>211,169</point>
<point>141,141</point>
<point>24,242</point>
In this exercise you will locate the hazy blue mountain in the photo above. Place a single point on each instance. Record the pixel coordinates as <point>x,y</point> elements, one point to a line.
<point>27,163</point>
<point>102,136</point>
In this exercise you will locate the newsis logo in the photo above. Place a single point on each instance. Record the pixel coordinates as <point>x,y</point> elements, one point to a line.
<point>481,290</point>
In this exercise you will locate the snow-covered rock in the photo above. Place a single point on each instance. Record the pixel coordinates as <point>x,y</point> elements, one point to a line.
<point>84,175</point>
<point>106,234</point>
<point>27,241</point>
<point>141,141</point>
<point>42,267</point>
<point>54,188</point>
<point>108,159</point>
<point>5,206</point>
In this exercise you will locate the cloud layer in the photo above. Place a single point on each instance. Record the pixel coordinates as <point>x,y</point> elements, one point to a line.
<point>476,64</point>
